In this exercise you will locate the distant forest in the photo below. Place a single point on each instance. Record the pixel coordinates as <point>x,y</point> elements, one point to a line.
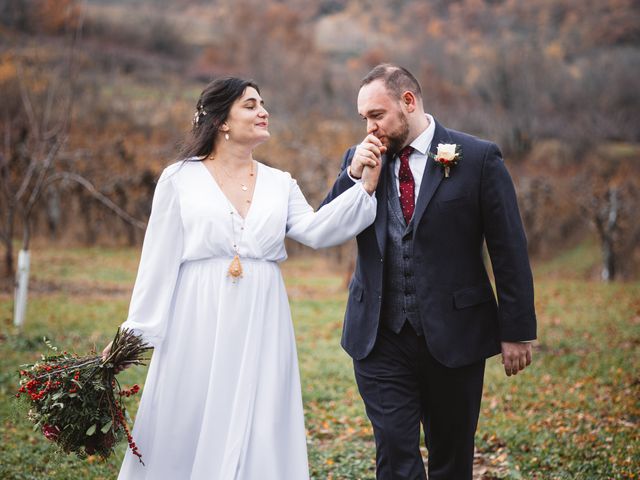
<point>95,96</point>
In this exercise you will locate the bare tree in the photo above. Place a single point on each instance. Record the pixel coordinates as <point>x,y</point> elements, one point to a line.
<point>606,217</point>
<point>610,200</point>
<point>28,162</point>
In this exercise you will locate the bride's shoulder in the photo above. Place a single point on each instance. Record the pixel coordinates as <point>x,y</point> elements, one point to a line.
<point>176,169</point>
<point>275,174</point>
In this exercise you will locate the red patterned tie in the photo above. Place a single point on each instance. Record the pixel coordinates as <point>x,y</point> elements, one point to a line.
<point>407,185</point>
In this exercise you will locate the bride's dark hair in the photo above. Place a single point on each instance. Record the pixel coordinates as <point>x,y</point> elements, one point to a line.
<point>212,111</point>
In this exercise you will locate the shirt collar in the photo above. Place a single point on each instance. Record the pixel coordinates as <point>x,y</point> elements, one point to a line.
<point>423,141</point>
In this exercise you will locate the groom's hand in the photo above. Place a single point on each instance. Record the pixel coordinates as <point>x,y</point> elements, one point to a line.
<point>370,177</point>
<point>516,356</point>
<point>368,154</point>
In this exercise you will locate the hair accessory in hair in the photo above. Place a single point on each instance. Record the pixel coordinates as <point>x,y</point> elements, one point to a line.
<point>197,116</point>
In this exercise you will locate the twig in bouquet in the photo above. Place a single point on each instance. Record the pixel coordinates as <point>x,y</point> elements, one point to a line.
<point>70,368</point>
<point>132,362</point>
<point>126,348</point>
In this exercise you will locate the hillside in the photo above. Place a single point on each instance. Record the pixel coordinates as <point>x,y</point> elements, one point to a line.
<point>523,74</point>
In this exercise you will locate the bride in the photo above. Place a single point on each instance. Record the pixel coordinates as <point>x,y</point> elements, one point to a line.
<point>222,397</point>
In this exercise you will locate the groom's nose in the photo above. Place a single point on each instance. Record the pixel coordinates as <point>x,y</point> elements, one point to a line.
<point>372,126</point>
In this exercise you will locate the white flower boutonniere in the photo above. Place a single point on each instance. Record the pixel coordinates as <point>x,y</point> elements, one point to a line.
<point>447,156</point>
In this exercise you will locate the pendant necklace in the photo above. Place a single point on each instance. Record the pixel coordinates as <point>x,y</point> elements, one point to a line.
<point>235,268</point>
<point>243,186</point>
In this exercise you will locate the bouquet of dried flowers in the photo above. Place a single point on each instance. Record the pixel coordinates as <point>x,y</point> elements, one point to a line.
<point>76,401</point>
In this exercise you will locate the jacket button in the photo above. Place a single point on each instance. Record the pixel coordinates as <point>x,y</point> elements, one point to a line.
<point>381,259</point>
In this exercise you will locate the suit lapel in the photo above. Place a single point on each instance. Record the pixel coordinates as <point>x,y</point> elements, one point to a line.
<point>381,212</point>
<point>432,174</point>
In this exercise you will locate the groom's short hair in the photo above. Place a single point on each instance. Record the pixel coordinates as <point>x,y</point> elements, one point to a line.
<point>396,79</point>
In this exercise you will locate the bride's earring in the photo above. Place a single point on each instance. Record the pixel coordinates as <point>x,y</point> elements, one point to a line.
<point>226,136</point>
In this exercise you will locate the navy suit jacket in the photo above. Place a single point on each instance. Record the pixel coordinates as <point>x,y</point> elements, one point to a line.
<point>462,321</point>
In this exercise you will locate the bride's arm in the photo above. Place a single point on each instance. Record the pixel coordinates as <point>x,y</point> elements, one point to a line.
<point>159,264</point>
<point>335,222</point>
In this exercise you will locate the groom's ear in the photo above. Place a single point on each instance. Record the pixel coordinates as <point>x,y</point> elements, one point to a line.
<point>409,101</point>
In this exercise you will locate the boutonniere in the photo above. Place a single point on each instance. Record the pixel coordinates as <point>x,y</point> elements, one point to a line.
<point>447,156</point>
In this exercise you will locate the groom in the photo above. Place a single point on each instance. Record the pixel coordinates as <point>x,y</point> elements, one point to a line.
<point>422,317</point>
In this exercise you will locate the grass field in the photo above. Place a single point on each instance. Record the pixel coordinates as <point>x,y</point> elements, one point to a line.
<point>575,414</point>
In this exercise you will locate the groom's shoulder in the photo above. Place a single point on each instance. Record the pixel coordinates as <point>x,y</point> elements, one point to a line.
<point>469,140</point>
<point>349,151</point>
<point>348,155</point>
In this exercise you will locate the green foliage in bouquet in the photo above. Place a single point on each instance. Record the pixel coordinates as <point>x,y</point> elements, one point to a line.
<point>76,401</point>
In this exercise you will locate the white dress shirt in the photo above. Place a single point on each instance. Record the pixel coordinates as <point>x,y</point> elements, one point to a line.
<point>418,158</point>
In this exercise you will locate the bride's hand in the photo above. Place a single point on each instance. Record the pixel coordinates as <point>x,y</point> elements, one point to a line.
<point>105,354</point>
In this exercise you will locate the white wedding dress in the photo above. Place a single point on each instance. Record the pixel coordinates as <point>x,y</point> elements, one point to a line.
<point>222,398</point>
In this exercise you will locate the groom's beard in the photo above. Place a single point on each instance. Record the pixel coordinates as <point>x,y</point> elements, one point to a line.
<point>396,140</point>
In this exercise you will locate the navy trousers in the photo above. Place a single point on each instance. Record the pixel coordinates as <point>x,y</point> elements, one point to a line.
<point>402,387</point>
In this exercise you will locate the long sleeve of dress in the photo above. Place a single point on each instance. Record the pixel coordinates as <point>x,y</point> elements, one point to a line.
<point>335,222</point>
<point>159,265</point>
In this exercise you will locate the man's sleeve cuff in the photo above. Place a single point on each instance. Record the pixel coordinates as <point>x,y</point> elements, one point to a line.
<point>353,179</point>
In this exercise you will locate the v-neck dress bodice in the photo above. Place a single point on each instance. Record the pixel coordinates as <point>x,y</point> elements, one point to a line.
<point>222,398</point>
